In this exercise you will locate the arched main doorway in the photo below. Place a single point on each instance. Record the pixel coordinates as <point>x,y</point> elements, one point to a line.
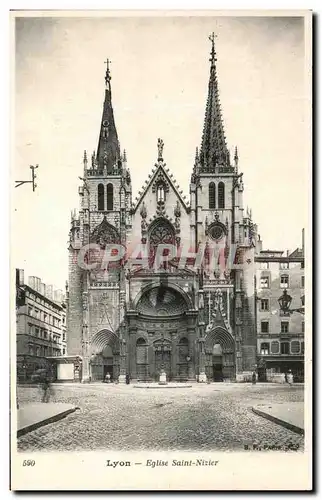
<point>220,355</point>
<point>104,356</point>
<point>159,325</point>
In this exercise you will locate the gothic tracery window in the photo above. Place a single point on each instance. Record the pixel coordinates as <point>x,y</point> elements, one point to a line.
<point>104,234</point>
<point>221,195</point>
<point>100,197</point>
<point>109,196</point>
<point>161,233</point>
<point>212,195</point>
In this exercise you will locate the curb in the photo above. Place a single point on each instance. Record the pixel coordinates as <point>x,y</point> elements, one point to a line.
<point>49,420</point>
<point>162,386</point>
<point>278,421</point>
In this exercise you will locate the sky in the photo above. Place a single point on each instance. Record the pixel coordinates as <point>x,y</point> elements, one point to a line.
<point>160,72</point>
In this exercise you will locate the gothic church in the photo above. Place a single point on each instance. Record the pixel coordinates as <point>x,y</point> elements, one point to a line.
<point>137,322</point>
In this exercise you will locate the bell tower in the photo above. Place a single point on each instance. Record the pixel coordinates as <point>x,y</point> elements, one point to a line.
<point>97,294</point>
<point>214,178</point>
<point>218,221</point>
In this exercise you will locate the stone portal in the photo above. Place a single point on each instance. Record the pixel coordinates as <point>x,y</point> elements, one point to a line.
<point>104,359</point>
<point>161,337</point>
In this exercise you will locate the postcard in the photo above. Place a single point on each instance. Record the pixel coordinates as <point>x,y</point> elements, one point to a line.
<point>161,332</point>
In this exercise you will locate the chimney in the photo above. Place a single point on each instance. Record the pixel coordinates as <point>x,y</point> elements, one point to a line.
<point>303,242</point>
<point>32,282</point>
<point>58,296</point>
<point>43,289</point>
<point>49,292</point>
<point>20,277</point>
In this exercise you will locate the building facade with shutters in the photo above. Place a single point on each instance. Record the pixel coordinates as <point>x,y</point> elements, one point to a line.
<point>280,334</point>
<point>166,312</point>
<point>40,326</point>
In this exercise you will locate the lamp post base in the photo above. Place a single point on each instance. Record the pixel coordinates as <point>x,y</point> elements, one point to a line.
<point>202,377</point>
<point>163,378</point>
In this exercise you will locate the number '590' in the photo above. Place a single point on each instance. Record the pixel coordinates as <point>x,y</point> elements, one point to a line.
<point>28,463</point>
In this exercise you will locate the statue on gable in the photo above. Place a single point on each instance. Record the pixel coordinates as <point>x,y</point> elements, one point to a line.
<point>160,149</point>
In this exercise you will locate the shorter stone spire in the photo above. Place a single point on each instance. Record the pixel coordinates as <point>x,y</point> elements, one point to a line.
<point>236,157</point>
<point>85,163</point>
<point>108,150</point>
<point>197,156</point>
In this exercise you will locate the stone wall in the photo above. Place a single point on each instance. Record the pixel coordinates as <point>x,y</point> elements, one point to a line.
<point>74,306</point>
<point>104,310</point>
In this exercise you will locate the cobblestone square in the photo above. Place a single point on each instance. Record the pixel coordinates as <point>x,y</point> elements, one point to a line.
<point>121,417</point>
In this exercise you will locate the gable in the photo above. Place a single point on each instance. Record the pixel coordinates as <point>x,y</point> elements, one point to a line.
<point>160,174</point>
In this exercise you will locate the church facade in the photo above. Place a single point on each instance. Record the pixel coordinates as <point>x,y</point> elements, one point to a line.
<point>162,284</point>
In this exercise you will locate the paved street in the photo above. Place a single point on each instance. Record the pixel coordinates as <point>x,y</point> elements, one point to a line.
<point>204,417</point>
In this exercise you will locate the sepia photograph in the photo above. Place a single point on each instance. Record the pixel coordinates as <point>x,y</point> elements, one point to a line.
<point>161,249</point>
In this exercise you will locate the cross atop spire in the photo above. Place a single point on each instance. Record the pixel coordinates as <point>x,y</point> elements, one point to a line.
<point>107,74</point>
<point>213,151</point>
<point>213,58</point>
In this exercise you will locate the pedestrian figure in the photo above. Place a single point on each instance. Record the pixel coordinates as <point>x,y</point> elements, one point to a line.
<point>46,388</point>
<point>107,378</point>
<point>253,378</point>
<point>289,377</point>
<point>127,379</point>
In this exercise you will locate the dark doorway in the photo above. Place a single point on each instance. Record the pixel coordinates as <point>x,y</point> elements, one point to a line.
<point>261,374</point>
<point>218,374</point>
<point>108,369</point>
<point>162,363</point>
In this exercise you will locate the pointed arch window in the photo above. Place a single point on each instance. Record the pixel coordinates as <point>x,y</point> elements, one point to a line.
<point>212,195</point>
<point>109,196</point>
<point>221,195</point>
<point>161,193</point>
<point>100,197</point>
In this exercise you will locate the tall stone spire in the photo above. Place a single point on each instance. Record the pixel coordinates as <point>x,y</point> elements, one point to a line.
<point>213,150</point>
<point>108,150</point>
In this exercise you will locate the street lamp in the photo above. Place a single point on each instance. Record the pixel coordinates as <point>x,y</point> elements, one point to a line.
<point>285,302</point>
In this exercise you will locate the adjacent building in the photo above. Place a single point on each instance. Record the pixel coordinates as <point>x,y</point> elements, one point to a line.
<point>41,325</point>
<point>280,333</point>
